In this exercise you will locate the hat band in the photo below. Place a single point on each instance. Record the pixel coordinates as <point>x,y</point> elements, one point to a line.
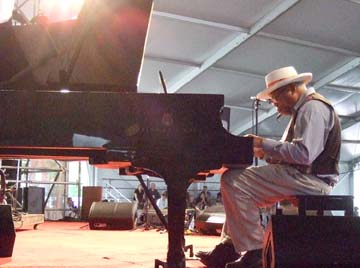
<point>276,81</point>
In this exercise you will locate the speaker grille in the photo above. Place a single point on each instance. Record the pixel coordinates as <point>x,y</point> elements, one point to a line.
<point>112,216</point>
<point>312,241</point>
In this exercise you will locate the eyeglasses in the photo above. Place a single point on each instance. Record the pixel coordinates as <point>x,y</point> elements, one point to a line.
<point>278,93</point>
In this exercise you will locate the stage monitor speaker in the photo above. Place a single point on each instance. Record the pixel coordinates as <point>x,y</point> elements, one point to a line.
<point>7,231</point>
<point>90,194</point>
<point>211,220</point>
<point>112,216</point>
<point>312,241</point>
<point>33,202</point>
<point>153,219</point>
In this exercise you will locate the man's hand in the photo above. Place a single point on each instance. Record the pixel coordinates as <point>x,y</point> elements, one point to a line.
<point>257,146</point>
<point>257,140</point>
<point>259,152</point>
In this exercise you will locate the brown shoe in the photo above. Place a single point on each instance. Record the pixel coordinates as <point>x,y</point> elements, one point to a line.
<point>219,256</point>
<point>251,259</point>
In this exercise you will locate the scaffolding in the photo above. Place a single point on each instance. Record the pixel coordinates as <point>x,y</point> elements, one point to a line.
<point>49,174</point>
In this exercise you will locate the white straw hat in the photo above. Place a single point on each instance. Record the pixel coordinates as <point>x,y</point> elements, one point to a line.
<point>282,77</point>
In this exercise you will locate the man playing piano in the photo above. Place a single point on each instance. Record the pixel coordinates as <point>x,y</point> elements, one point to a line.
<point>304,161</point>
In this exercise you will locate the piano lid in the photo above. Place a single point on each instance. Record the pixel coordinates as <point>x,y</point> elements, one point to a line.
<point>102,50</point>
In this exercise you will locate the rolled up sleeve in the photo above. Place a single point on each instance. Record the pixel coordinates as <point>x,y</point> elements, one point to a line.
<point>313,124</point>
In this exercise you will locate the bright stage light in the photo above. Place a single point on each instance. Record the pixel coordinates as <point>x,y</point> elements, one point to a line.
<point>64,90</point>
<point>6,8</point>
<point>57,10</point>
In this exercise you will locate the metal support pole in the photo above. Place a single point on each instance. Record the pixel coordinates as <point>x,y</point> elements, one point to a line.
<point>256,105</point>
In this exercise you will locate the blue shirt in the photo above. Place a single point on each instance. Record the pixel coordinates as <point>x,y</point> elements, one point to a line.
<point>313,123</point>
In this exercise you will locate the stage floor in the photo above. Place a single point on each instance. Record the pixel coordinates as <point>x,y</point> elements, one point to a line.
<point>72,244</point>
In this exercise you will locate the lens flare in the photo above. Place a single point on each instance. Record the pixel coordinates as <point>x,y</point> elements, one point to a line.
<point>6,8</point>
<point>57,10</point>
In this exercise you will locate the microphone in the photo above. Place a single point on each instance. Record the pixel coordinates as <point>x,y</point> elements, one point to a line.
<point>268,101</point>
<point>257,99</point>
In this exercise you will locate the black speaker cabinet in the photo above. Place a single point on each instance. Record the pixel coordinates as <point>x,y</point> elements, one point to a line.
<point>90,194</point>
<point>312,241</point>
<point>153,219</point>
<point>7,231</point>
<point>112,216</point>
<point>211,220</point>
<point>34,200</point>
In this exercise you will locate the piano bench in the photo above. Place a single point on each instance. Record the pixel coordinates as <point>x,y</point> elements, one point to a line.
<point>321,203</point>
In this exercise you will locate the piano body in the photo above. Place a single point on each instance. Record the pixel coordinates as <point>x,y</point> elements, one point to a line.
<point>177,136</point>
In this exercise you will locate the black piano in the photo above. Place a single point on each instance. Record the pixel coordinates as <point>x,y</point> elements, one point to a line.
<point>100,117</point>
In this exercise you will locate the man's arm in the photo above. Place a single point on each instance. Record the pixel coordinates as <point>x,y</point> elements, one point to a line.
<point>313,124</point>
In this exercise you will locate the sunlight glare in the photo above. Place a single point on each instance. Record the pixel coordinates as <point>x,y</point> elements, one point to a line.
<point>58,10</point>
<point>6,8</point>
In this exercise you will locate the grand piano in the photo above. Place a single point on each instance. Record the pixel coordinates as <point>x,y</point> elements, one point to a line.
<point>100,116</point>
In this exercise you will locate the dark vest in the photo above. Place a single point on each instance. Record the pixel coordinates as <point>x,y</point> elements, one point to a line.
<point>328,161</point>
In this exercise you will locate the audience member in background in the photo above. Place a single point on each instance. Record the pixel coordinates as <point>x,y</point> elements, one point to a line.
<point>154,193</point>
<point>162,202</point>
<point>70,208</point>
<point>202,201</point>
<point>204,198</point>
<point>218,199</point>
<point>3,201</point>
<point>190,202</point>
<point>206,192</point>
<point>139,197</point>
<point>356,211</point>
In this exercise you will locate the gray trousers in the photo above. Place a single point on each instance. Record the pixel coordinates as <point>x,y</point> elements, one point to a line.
<point>244,191</point>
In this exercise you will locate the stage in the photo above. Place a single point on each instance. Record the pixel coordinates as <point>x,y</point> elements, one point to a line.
<point>73,244</point>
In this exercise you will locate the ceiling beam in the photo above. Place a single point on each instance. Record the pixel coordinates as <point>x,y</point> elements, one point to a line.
<point>235,43</point>
<point>352,121</point>
<point>352,64</point>
<point>262,34</point>
<point>345,98</point>
<point>197,65</point>
<point>249,125</point>
<point>319,84</point>
<point>172,61</point>
<point>237,72</point>
<point>309,44</point>
<point>354,1</point>
<point>349,89</point>
<point>19,16</point>
<point>354,161</point>
<point>18,5</point>
<point>200,22</point>
<point>350,141</point>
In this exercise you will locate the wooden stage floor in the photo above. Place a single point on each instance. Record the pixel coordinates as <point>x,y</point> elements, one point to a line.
<point>72,244</point>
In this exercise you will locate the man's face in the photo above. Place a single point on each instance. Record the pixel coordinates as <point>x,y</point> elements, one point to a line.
<point>284,99</point>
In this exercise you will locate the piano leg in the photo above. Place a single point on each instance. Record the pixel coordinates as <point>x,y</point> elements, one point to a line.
<point>176,219</point>
<point>176,188</point>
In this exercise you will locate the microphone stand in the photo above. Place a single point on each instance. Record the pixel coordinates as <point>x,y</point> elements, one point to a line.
<point>256,104</point>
